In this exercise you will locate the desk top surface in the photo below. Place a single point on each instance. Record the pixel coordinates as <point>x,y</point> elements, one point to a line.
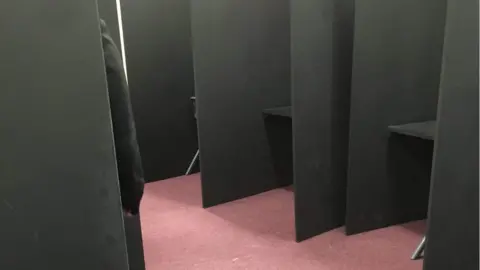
<point>285,111</point>
<point>424,130</point>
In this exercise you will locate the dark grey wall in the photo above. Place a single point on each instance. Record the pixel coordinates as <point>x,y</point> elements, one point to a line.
<point>452,239</point>
<point>241,59</point>
<point>322,44</point>
<point>60,204</point>
<point>396,72</point>
<point>160,76</point>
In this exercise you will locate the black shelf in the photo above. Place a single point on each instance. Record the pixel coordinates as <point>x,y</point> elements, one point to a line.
<point>424,130</point>
<point>285,111</point>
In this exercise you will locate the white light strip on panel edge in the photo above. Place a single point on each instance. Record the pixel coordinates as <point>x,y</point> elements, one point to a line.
<point>122,43</point>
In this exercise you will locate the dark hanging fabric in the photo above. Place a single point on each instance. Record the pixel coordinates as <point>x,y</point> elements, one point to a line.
<point>129,163</point>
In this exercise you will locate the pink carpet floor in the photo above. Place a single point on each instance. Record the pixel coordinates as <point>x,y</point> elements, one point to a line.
<point>257,233</point>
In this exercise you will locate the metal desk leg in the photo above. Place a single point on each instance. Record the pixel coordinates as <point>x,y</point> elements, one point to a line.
<point>192,163</point>
<point>417,254</point>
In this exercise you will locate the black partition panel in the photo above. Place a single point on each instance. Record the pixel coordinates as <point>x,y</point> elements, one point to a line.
<point>241,60</point>
<point>321,40</point>
<point>60,203</point>
<point>452,238</point>
<point>160,75</point>
<point>134,237</point>
<point>395,79</point>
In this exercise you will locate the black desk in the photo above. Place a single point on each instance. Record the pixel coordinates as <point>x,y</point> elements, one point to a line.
<point>424,130</point>
<point>278,125</point>
<point>279,111</point>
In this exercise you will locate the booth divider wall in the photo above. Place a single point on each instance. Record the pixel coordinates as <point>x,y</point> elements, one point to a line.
<point>452,238</point>
<point>242,66</point>
<point>160,75</point>
<point>396,73</point>
<point>60,203</point>
<point>321,51</point>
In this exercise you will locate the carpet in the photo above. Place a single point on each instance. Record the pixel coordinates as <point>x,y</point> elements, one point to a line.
<point>257,233</point>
